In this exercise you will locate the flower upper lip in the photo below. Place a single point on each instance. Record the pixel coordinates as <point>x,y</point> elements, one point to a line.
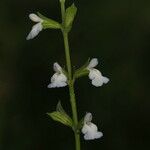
<point>36,28</point>
<point>93,63</point>
<point>35,18</point>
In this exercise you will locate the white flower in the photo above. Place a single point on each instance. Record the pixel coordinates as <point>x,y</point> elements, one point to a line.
<point>89,129</point>
<point>58,79</point>
<point>95,75</point>
<point>36,28</point>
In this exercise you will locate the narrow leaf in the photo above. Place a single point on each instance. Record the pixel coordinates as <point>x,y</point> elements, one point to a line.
<point>59,117</point>
<point>59,108</point>
<point>70,15</point>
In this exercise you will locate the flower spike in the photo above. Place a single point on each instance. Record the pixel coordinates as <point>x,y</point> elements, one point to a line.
<point>36,28</point>
<point>95,75</point>
<point>89,129</point>
<point>58,79</point>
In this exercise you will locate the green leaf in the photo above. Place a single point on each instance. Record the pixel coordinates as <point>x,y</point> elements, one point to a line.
<point>70,15</point>
<point>60,117</point>
<point>49,23</point>
<point>59,108</point>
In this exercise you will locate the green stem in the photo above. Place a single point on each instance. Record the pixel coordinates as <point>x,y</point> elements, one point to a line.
<point>74,112</point>
<point>62,3</point>
<point>71,91</point>
<point>70,79</point>
<point>67,52</point>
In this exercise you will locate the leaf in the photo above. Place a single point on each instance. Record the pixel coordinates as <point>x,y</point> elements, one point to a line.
<point>70,15</point>
<point>59,108</point>
<point>59,117</point>
<point>49,23</point>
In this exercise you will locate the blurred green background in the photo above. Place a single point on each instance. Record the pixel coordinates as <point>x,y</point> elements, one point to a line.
<point>117,33</point>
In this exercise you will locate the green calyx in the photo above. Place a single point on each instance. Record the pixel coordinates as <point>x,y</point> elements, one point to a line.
<point>82,71</point>
<point>49,23</point>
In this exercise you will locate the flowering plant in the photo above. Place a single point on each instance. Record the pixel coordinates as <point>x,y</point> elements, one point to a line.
<point>62,77</point>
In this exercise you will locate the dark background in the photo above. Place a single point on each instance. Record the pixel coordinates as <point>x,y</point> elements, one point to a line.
<point>117,33</point>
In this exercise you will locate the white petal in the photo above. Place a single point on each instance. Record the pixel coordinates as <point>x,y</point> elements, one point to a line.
<point>93,63</point>
<point>54,85</point>
<point>89,136</point>
<point>62,78</point>
<point>90,132</point>
<point>105,79</point>
<point>35,31</point>
<point>51,85</point>
<point>58,80</point>
<point>35,18</point>
<point>97,78</point>
<point>94,73</point>
<point>88,117</point>
<point>57,67</point>
<point>97,82</point>
<point>98,135</point>
<point>92,127</point>
<point>100,81</point>
<point>84,128</point>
